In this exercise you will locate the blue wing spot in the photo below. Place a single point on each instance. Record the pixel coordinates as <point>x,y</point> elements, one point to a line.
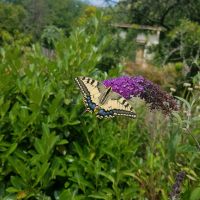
<point>88,98</point>
<point>91,105</point>
<point>104,113</point>
<point>111,112</point>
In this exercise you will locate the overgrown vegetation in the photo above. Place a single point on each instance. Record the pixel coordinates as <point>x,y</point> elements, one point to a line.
<point>51,149</point>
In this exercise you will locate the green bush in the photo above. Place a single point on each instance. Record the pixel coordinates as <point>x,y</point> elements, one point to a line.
<point>39,109</point>
<point>50,35</point>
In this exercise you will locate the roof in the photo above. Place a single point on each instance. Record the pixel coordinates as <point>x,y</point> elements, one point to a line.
<point>137,26</point>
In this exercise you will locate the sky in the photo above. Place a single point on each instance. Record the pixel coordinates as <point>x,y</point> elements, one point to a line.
<point>97,2</point>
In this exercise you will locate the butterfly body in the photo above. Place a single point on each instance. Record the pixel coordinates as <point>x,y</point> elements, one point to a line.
<point>102,100</point>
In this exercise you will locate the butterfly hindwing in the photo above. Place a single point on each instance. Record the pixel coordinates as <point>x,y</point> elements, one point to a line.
<point>119,106</point>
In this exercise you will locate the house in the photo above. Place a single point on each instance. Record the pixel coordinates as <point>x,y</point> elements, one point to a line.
<point>148,37</point>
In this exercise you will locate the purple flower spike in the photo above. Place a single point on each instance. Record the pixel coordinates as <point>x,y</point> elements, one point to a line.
<point>176,189</point>
<point>140,87</point>
<point>126,86</point>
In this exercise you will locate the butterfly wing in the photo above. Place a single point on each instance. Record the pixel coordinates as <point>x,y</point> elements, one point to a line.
<point>116,105</point>
<point>91,90</point>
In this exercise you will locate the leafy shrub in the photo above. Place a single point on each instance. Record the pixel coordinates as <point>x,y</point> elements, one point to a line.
<point>39,111</point>
<point>50,36</point>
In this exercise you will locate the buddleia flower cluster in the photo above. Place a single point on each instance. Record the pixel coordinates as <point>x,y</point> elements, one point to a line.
<point>138,86</point>
<point>176,188</point>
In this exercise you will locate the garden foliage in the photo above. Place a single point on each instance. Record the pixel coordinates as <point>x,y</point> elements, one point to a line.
<point>49,149</point>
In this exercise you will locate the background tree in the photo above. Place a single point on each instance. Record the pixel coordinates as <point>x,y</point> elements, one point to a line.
<point>166,13</point>
<point>37,18</point>
<point>11,17</point>
<point>42,13</point>
<point>11,22</point>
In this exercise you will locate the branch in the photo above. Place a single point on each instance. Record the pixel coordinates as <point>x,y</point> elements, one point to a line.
<point>167,11</point>
<point>190,133</point>
<point>169,55</point>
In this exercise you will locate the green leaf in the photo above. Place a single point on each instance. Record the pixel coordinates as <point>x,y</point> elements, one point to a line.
<point>12,190</point>
<point>98,196</point>
<point>41,172</point>
<point>10,197</point>
<point>46,144</point>
<point>20,168</point>
<point>18,183</point>
<point>39,146</point>
<point>186,148</point>
<point>67,194</point>
<point>63,141</point>
<point>196,119</point>
<point>78,149</point>
<point>185,102</point>
<point>36,95</point>
<point>178,118</point>
<point>108,176</point>
<point>4,108</point>
<point>72,123</point>
<point>195,194</point>
<point>11,149</point>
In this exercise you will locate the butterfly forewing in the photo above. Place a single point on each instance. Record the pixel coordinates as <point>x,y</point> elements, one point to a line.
<point>119,106</point>
<point>89,87</point>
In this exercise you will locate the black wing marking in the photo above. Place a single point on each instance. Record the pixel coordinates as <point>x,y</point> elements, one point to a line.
<point>118,112</point>
<point>82,86</point>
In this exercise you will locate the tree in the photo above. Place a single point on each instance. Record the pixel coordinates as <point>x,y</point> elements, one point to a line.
<point>166,13</point>
<point>12,17</point>
<point>182,45</point>
<point>42,13</point>
<point>64,13</point>
<point>50,35</point>
<point>37,16</point>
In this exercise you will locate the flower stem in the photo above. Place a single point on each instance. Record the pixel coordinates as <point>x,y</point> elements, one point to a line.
<point>194,138</point>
